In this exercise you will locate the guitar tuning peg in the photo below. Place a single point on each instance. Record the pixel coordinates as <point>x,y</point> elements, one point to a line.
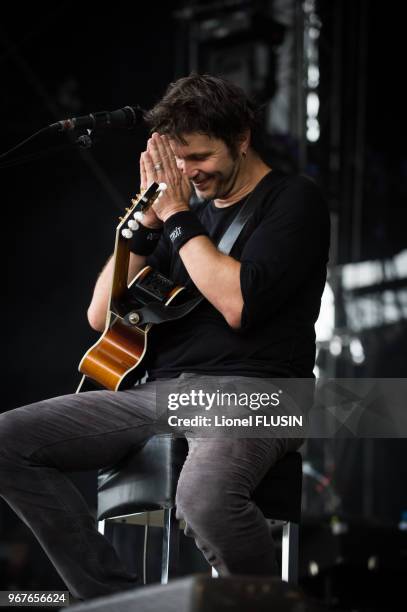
<point>133,225</point>
<point>138,216</point>
<point>121,219</point>
<point>127,233</point>
<point>127,209</point>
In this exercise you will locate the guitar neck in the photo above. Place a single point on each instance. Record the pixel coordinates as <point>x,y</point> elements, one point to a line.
<point>121,268</point>
<point>121,252</point>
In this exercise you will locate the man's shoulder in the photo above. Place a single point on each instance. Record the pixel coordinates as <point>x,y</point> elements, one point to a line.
<point>293,192</point>
<point>283,181</point>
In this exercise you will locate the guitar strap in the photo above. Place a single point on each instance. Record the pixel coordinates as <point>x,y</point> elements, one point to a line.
<point>154,312</point>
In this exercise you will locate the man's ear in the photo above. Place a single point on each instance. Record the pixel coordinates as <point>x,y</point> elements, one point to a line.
<point>244,142</point>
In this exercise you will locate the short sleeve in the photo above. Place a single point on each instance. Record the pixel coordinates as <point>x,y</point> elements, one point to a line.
<point>289,246</point>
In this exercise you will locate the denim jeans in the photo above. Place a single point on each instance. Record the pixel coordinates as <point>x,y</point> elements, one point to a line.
<point>95,429</point>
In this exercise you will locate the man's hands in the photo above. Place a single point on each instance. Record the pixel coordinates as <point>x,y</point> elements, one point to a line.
<point>158,164</point>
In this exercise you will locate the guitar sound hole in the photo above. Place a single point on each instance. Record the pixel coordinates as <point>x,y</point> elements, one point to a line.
<point>156,285</point>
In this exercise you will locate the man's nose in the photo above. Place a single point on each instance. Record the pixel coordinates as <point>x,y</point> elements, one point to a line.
<point>188,168</point>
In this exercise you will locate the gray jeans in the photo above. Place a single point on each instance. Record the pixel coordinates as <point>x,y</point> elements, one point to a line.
<point>92,430</point>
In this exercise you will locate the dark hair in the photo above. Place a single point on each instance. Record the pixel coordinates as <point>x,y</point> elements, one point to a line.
<point>208,105</point>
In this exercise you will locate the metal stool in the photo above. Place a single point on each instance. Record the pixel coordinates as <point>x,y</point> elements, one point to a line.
<point>142,488</point>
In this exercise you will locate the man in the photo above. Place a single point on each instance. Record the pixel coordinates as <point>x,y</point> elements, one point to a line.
<point>256,321</point>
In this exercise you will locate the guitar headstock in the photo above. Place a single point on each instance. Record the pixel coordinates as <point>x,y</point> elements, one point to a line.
<point>139,205</point>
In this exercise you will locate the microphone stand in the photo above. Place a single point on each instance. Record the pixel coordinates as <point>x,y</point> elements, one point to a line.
<point>84,139</point>
<point>80,138</point>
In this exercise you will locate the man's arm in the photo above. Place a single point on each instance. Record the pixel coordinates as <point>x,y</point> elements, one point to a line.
<point>287,250</point>
<point>217,276</point>
<point>100,300</point>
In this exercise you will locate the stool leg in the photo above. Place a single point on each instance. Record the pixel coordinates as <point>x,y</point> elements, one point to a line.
<point>170,551</point>
<point>289,561</point>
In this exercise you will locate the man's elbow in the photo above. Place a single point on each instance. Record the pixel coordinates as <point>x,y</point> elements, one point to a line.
<point>95,320</point>
<point>234,323</point>
<point>234,318</point>
<point>232,311</point>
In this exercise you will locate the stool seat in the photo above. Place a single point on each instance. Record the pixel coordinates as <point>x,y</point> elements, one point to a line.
<point>146,480</point>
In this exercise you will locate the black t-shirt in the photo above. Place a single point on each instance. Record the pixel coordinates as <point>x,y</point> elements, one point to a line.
<point>283,250</point>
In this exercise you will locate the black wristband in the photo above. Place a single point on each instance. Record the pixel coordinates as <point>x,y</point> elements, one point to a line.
<point>145,239</point>
<point>182,226</point>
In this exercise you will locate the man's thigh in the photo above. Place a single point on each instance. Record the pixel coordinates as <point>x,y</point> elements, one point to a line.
<point>218,462</point>
<point>86,430</point>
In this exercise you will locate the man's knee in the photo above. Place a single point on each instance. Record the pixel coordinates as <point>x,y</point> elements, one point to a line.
<point>208,504</point>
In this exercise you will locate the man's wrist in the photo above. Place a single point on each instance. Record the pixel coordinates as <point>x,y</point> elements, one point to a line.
<point>154,228</point>
<point>182,226</point>
<point>145,239</point>
<point>173,211</point>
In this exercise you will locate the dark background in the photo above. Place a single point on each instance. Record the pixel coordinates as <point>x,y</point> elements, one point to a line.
<point>59,211</point>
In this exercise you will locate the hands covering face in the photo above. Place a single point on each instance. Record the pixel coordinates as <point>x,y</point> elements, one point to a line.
<point>158,164</point>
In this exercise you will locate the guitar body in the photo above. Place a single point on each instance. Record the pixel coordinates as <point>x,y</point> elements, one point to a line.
<point>112,362</point>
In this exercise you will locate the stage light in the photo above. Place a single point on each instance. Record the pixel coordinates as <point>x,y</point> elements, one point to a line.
<point>356,350</point>
<point>335,346</point>
<point>313,568</point>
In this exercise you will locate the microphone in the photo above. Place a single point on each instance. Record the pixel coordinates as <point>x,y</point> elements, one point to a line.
<point>127,117</point>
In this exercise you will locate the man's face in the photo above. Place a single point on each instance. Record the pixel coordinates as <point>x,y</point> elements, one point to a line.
<point>208,164</point>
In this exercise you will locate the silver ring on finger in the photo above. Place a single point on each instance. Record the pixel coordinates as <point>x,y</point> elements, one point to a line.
<point>158,166</point>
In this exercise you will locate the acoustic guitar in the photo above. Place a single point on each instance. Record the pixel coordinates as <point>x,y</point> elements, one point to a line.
<point>113,362</point>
